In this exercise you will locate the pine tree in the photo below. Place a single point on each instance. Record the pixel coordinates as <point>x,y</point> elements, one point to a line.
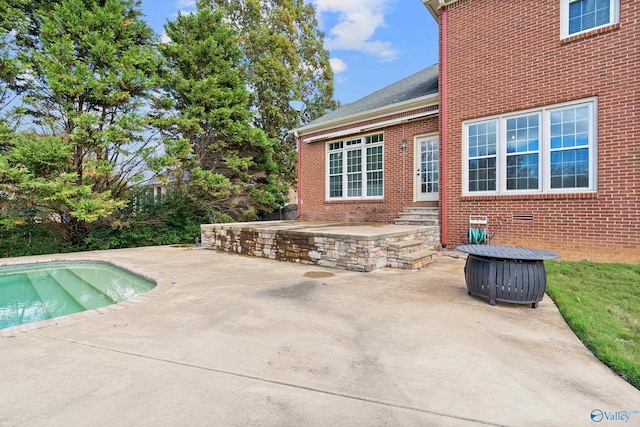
<point>210,142</point>
<point>90,66</point>
<point>285,61</point>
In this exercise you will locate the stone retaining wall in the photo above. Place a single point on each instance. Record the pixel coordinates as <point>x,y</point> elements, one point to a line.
<point>348,252</point>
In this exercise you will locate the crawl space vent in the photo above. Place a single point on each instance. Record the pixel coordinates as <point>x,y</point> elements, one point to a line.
<point>523,217</point>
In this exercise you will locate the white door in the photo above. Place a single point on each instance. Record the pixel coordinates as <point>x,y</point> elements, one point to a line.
<point>426,166</point>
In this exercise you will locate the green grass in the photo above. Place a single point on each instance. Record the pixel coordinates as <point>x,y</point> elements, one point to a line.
<point>601,304</point>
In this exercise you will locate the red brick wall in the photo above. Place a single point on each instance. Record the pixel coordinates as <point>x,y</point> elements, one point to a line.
<point>398,175</point>
<point>504,58</point>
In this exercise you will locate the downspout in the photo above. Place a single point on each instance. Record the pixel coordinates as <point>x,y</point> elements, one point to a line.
<point>299,138</point>
<point>443,129</point>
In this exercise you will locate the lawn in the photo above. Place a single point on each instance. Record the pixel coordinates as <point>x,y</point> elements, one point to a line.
<point>601,303</point>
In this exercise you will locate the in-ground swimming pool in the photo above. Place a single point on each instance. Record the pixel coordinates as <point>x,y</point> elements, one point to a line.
<point>30,293</point>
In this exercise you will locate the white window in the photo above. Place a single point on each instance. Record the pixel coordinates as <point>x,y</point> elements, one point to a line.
<point>355,168</point>
<point>550,150</point>
<point>578,16</point>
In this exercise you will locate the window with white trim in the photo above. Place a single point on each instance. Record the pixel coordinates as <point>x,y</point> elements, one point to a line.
<point>355,168</point>
<point>546,150</point>
<point>578,16</point>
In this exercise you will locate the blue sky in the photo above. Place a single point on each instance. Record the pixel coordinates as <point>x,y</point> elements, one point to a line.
<point>372,43</point>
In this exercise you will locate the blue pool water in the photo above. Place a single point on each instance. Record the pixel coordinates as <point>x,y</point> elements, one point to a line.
<point>30,293</point>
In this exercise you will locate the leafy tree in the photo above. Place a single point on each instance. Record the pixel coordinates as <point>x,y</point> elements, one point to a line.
<point>210,142</point>
<point>285,61</point>
<point>34,174</point>
<point>19,27</point>
<point>10,16</point>
<point>91,65</point>
<point>169,219</point>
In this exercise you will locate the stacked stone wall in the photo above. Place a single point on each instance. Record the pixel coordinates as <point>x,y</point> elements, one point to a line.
<point>336,251</point>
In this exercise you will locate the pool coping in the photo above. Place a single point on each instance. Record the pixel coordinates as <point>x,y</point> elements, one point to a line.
<point>163,284</point>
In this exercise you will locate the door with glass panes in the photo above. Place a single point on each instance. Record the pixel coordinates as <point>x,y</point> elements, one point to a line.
<point>426,168</point>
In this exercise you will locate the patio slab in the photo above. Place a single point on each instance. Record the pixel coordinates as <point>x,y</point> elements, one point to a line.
<point>235,340</point>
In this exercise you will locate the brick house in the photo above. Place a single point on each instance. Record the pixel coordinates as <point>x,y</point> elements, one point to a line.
<point>534,122</point>
<point>357,162</point>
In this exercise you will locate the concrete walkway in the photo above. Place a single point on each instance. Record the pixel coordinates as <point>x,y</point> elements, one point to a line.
<point>237,341</point>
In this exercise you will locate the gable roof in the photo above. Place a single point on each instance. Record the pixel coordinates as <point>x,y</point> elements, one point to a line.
<point>422,84</point>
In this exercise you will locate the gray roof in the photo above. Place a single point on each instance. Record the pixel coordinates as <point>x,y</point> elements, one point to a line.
<point>420,84</point>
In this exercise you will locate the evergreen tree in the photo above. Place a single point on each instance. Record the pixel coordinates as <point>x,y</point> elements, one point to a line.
<point>209,139</point>
<point>89,65</point>
<point>285,61</point>
<point>11,16</point>
<point>19,29</point>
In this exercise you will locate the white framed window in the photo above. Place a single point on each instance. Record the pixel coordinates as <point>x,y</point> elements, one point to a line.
<point>578,16</point>
<point>547,150</point>
<point>355,168</point>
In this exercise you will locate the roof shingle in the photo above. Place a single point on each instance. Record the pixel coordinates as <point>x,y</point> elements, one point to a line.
<point>420,84</point>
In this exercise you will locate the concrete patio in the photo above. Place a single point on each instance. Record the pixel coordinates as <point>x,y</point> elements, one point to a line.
<point>229,340</point>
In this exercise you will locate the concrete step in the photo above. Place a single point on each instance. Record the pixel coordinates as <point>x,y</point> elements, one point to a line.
<point>418,216</point>
<point>417,221</point>
<point>55,299</point>
<point>420,209</point>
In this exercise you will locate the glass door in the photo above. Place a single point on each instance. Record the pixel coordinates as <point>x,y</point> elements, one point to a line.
<point>427,167</point>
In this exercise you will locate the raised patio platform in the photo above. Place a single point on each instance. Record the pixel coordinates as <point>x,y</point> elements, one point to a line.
<point>350,246</point>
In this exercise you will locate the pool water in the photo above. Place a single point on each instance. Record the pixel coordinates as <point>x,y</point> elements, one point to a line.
<point>30,293</point>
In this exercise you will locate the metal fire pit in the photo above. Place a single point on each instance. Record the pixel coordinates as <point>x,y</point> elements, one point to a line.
<point>506,273</point>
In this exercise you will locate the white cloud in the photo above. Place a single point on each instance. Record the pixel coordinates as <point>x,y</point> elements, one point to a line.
<point>186,7</point>
<point>339,80</point>
<point>357,22</point>
<point>338,65</point>
<point>164,38</point>
<point>186,4</point>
